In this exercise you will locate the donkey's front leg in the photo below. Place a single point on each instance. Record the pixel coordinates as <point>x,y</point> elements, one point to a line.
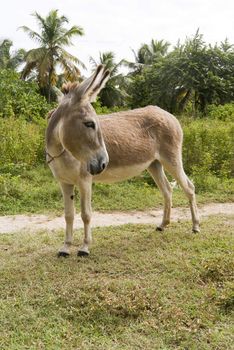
<point>85,188</point>
<point>68,196</point>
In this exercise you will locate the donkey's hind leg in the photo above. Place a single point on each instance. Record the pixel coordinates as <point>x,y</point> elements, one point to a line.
<point>178,173</point>
<point>157,172</point>
<point>68,197</point>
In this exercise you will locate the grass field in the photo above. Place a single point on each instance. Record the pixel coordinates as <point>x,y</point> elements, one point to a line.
<point>139,289</point>
<point>36,191</point>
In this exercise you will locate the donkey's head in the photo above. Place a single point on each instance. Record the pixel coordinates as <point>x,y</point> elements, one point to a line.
<point>80,132</point>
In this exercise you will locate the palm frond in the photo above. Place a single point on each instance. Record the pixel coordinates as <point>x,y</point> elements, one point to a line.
<point>93,62</point>
<point>40,20</point>
<point>70,71</point>
<point>17,58</point>
<point>32,34</point>
<point>65,38</point>
<point>35,54</point>
<point>28,68</point>
<point>66,55</point>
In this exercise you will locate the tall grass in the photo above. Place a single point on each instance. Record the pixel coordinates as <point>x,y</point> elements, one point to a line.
<point>22,144</point>
<point>208,147</point>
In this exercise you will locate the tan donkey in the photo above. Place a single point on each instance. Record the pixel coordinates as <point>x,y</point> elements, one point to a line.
<point>82,148</point>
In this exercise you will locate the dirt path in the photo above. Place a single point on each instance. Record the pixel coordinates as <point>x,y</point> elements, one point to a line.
<point>11,224</point>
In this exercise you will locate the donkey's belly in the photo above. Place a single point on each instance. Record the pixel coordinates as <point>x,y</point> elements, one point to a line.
<point>121,173</point>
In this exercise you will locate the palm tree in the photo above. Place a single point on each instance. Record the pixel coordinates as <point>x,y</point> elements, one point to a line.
<point>52,39</point>
<point>112,94</point>
<point>146,55</point>
<point>8,59</point>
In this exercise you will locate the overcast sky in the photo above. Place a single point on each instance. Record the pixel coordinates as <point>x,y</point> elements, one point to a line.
<point>122,25</point>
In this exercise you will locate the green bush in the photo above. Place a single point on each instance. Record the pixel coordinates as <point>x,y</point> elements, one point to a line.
<point>208,147</point>
<point>105,110</point>
<point>21,145</point>
<point>21,99</point>
<point>221,112</point>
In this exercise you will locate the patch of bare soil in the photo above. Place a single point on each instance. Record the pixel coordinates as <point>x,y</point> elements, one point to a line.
<point>15,223</point>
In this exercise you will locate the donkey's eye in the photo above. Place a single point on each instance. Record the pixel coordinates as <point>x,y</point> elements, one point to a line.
<point>89,125</point>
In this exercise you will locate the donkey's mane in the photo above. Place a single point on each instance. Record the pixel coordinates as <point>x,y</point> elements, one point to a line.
<point>66,88</point>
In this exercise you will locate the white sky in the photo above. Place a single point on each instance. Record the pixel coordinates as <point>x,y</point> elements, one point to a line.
<point>119,25</point>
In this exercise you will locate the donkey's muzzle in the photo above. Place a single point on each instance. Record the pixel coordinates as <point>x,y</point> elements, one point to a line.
<point>97,166</point>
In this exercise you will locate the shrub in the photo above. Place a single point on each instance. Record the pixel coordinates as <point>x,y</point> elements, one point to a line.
<point>21,99</point>
<point>221,112</point>
<point>21,145</point>
<point>105,110</point>
<point>208,147</point>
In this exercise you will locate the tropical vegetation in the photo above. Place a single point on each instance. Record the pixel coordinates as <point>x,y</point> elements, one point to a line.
<point>187,79</point>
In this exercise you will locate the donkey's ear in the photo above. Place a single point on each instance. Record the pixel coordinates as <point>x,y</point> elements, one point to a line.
<point>90,88</point>
<point>98,84</point>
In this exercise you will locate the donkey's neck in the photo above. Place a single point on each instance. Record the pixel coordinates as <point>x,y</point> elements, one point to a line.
<point>53,143</point>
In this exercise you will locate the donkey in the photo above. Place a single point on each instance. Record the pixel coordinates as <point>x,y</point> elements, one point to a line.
<point>82,148</point>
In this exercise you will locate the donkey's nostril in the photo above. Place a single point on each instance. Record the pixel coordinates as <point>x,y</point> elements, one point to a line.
<point>96,167</point>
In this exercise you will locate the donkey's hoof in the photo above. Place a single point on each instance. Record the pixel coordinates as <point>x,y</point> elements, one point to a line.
<point>196,230</point>
<point>159,228</point>
<point>63,254</point>
<point>82,253</point>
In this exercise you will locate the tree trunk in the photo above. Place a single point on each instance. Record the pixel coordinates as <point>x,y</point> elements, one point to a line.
<point>50,75</point>
<point>49,84</point>
<point>184,101</point>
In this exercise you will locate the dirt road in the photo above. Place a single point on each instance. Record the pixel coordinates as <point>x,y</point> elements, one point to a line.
<point>15,223</point>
